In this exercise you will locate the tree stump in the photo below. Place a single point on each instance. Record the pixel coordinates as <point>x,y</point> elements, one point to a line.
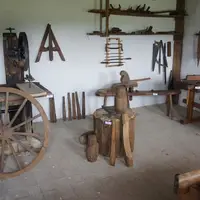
<point>103,130</point>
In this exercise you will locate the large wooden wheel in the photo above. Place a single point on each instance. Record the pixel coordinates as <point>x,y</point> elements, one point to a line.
<point>22,142</point>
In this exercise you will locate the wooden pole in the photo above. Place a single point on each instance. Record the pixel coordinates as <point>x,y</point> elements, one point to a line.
<point>100,22</point>
<point>178,45</point>
<point>107,17</point>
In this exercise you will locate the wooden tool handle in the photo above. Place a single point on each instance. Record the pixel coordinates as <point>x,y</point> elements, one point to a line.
<point>169,49</point>
<point>78,106</point>
<point>64,109</point>
<point>69,107</point>
<point>53,118</point>
<point>73,106</point>
<point>83,105</point>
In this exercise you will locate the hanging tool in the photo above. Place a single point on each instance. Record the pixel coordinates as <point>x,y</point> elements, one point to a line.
<point>108,62</point>
<point>143,8</point>
<point>165,64</point>
<point>50,48</point>
<point>114,47</point>
<point>114,60</point>
<point>198,48</point>
<point>138,8</point>
<point>113,8</point>
<point>159,50</point>
<point>169,49</point>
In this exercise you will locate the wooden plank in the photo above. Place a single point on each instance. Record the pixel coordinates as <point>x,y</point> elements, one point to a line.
<point>33,90</point>
<point>108,92</point>
<point>193,77</point>
<point>107,17</point>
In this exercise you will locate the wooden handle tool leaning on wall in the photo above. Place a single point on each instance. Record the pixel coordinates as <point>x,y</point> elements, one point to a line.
<point>53,118</point>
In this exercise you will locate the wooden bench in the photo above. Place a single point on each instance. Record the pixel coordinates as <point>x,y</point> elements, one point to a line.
<point>109,92</point>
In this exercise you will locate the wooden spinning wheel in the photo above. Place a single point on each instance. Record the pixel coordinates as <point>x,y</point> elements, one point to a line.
<point>22,142</point>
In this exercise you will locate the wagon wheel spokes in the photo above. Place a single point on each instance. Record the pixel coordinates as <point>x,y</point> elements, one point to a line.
<point>25,147</point>
<point>25,122</point>
<point>34,135</point>
<point>2,155</point>
<point>6,120</point>
<point>14,154</point>
<point>17,113</point>
<point>22,140</point>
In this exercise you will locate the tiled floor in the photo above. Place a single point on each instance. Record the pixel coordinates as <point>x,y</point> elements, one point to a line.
<point>162,148</point>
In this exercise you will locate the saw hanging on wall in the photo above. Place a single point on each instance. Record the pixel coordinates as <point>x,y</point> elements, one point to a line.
<point>114,53</point>
<point>51,48</point>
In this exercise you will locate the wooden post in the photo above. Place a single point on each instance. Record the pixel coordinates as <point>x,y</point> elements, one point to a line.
<point>178,45</point>
<point>53,118</point>
<point>101,18</point>
<point>107,17</point>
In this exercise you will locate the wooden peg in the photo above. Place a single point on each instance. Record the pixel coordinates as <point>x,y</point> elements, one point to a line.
<point>69,107</point>
<point>64,109</point>
<point>53,118</point>
<point>83,105</point>
<point>73,106</point>
<point>78,106</point>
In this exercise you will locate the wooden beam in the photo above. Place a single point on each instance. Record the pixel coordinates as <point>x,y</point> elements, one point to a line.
<point>178,45</point>
<point>107,17</point>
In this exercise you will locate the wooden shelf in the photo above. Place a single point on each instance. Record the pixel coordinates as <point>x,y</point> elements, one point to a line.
<point>127,13</point>
<point>104,35</point>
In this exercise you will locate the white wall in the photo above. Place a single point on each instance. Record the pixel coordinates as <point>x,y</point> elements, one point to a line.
<point>82,70</point>
<point>192,26</point>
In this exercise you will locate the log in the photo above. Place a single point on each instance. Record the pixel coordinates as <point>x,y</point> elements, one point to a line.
<point>92,150</point>
<point>103,131</point>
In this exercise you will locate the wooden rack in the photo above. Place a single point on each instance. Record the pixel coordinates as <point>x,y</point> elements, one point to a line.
<point>107,12</point>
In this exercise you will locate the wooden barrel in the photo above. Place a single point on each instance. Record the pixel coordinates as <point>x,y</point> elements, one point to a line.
<point>103,131</point>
